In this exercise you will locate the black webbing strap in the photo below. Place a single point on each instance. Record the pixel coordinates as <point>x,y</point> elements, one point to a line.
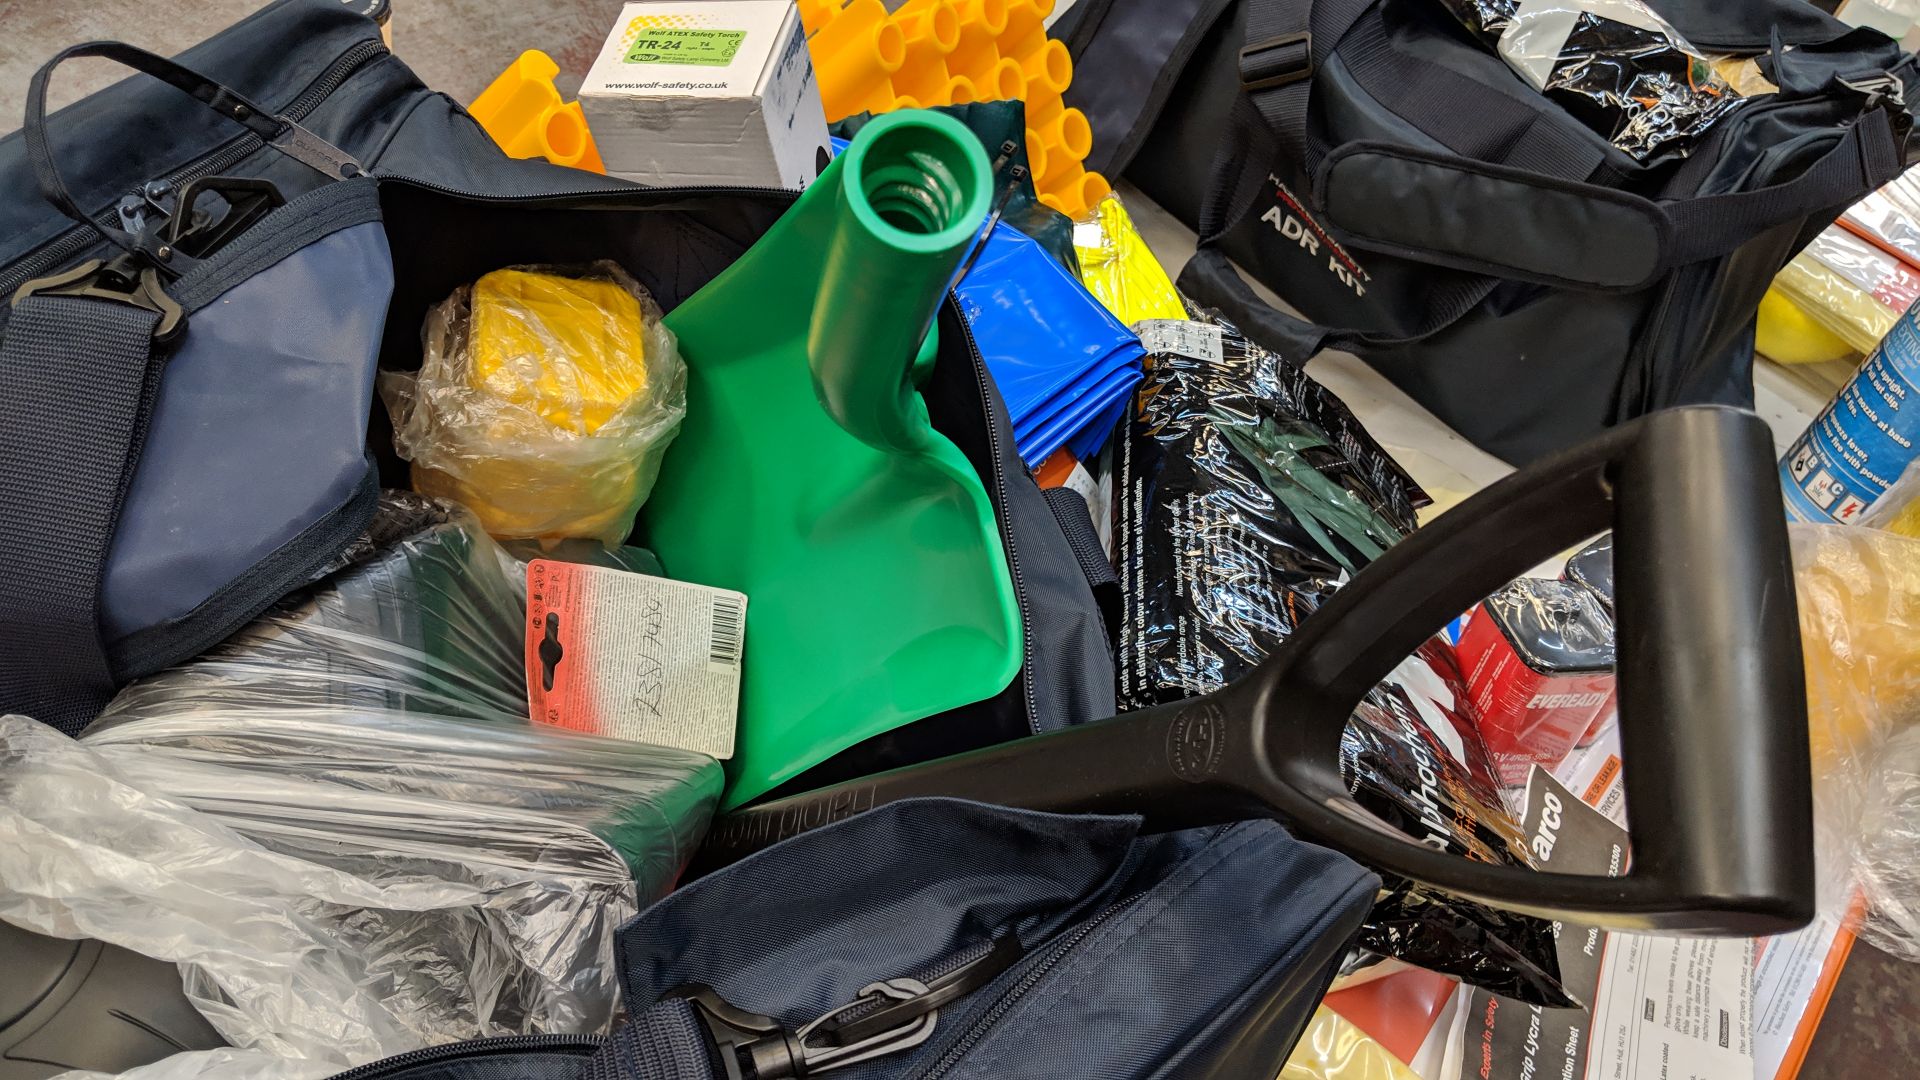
<point>1461,113</point>
<point>1269,119</point>
<point>1866,157</point>
<point>1286,41</point>
<point>664,1041</point>
<point>1070,509</point>
<point>76,382</point>
<point>226,102</point>
<point>276,131</point>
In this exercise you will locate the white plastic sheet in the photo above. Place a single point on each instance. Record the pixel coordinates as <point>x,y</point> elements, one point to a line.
<point>342,827</point>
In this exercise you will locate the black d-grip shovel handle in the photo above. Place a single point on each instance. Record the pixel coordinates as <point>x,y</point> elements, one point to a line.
<point>1712,705</point>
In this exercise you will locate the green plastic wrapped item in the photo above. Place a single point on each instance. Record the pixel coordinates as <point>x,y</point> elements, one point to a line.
<point>808,477</point>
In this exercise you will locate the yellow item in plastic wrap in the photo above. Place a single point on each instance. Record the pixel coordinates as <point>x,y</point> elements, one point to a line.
<point>1787,334</point>
<point>1117,267</point>
<point>1859,593</point>
<point>1849,287</point>
<point>1333,1049</point>
<point>572,349</point>
<point>1859,599</point>
<point>544,402</point>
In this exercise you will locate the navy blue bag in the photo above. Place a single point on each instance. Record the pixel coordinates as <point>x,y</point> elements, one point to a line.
<point>187,430</point>
<point>937,939</point>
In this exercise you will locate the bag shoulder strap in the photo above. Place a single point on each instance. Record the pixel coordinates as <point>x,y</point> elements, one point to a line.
<point>80,366</point>
<point>76,384</point>
<point>664,1041</point>
<point>1285,40</point>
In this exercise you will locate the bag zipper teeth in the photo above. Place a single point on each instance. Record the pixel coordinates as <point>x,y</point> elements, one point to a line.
<point>79,238</point>
<point>1020,989</point>
<point>473,1047</point>
<point>984,380</point>
<point>626,190</point>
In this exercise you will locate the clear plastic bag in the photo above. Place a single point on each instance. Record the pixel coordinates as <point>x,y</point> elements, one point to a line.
<point>1859,600</point>
<point>1898,509</point>
<point>1850,288</point>
<point>1891,215</point>
<point>342,826</point>
<point>544,401</point>
<point>1333,1049</point>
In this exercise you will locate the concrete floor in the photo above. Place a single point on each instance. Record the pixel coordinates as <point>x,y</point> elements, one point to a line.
<point>455,45</point>
<point>459,45</point>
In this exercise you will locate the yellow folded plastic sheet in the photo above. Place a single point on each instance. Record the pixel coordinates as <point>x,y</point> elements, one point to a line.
<point>571,349</point>
<point>1117,267</point>
<point>1839,282</point>
<point>1333,1049</point>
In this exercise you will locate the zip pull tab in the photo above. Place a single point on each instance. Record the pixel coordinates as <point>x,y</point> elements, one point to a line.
<point>891,1041</point>
<point>313,151</point>
<point>756,1047</point>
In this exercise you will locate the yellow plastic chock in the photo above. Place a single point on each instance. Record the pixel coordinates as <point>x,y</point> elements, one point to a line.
<point>981,24</point>
<point>1036,154</point>
<point>1026,32</point>
<point>523,112</point>
<point>1068,138</point>
<point>954,52</point>
<point>930,29</point>
<point>854,56</point>
<point>1009,83</point>
<point>815,14</point>
<point>1076,193</point>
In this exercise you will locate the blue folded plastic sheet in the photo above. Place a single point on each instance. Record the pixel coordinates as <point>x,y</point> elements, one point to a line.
<point>1091,438</point>
<point>1053,349</point>
<point>1062,362</point>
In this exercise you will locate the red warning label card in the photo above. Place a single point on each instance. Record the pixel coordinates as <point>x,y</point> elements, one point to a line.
<point>634,657</point>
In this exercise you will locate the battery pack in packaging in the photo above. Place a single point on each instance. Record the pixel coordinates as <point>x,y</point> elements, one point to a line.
<point>1538,657</point>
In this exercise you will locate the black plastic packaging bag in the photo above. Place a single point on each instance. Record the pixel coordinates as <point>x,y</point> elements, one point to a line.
<point>1245,494</point>
<point>1615,65</point>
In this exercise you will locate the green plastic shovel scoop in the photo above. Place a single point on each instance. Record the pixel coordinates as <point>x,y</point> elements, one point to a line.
<point>808,477</point>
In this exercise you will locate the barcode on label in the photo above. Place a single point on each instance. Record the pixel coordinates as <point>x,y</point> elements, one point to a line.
<point>723,638</point>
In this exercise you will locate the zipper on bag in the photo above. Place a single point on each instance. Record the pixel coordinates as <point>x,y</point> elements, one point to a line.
<point>79,238</point>
<point>1046,962</point>
<point>583,1045</point>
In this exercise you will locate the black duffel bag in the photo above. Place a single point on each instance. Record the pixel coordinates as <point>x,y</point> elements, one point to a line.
<point>1421,205</point>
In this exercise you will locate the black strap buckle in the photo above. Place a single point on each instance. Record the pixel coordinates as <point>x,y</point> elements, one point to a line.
<point>756,1047</point>
<point>1277,61</point>
<point>120,281</point>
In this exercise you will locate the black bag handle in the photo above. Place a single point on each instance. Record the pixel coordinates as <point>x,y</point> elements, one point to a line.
<point>1680,231</point>
<point>275,130</point>
<point>1290,38</point>
<point>1713,710</point>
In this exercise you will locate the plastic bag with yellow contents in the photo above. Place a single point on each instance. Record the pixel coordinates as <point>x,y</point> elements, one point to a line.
<point>544,401</point>
<point>1333,1049</point>
<point>1859,599</point>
